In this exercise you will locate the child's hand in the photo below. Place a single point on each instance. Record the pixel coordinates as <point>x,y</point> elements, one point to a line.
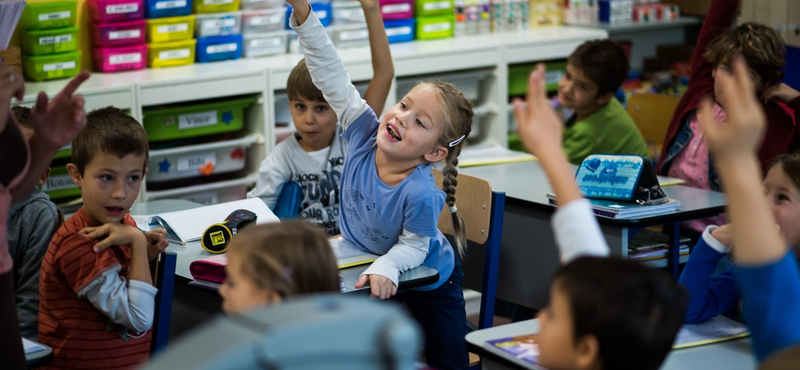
<point>156,242</point>
<point>537,123</point>
<point>782,91</point>
<point>11,86</point>
<point>381,287</point>
<point>59,121</point>
<point>723,234</point>
<point>741,134</point>
<point>112,234</point>
<point>369,4</point>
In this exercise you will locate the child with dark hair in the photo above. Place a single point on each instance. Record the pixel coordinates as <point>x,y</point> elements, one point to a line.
<point>31,223</point>
<point>604,313</point>
<point>599,123</point>
<point>97,305</point>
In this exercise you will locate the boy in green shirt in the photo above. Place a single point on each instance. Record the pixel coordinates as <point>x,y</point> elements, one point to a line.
<point>599,123</point>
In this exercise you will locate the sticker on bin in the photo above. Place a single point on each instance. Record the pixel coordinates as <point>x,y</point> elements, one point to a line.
<point>59,66</point>
<point>54,16</point>
<point>58,183</point>
<point>196,161</point>
<point>321,14</point>
<point>172,28</point>
<point>396,31</point>
<point>437,5</point>
<point>50,40</point>
<point>123,35</point>
<point>224,25</point>
<point>353,35</point>
<point>435,27</point>
<point>174,54</point>
<point>396,8</point>
<point>350,14</point>
<point>222,48</point>
<point>125,58</point>
<point>266,42</point>
<point>217,2</point>
<point>266,20</point>
<point>122,8</point>
<point>171,4</point>
<point>188,121</point>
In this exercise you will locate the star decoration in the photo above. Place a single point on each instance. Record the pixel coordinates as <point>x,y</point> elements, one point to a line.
<point>164,165</point>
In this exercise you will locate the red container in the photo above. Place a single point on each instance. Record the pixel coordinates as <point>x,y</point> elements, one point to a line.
<point>112,35</point>
<point>120,59</point>
<point>397,9</point>
<point>103,11</point>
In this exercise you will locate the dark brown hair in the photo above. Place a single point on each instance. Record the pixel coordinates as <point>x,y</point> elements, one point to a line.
<point>790,164</point>
<point>109,130</point>
<point>602,61</point>
<point>761,46</point>
<point>23,116</point>
<point>299,84</point>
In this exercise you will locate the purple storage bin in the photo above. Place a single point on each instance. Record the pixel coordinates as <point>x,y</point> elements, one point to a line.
<point>111,35</point>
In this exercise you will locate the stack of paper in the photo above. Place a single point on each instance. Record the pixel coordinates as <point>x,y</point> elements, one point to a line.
<point>10,11</point>
<point>625,211</point>
<point>715,330</point>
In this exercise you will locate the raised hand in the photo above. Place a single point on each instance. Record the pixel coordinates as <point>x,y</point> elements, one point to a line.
<point>538,124</point>
<point>60,120</point>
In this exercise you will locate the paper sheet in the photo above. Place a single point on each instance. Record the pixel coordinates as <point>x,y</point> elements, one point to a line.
<point>715,330</point>
<point>189,225</point>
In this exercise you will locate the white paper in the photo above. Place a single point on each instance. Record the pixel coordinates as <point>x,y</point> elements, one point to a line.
<point>190,224</point>
<point>481,154</point>
<point>710,331</point>
<point>348,254</point>
<point>31,346</point>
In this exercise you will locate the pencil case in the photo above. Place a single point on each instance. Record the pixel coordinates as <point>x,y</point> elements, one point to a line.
<point>210,268</point>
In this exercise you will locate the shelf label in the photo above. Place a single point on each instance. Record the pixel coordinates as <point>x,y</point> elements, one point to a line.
<point>58,183</point>
<point>351,14</point>
<point>54,16</point>
<point>187,121</point>
<point>217,2</point>
<point>222,48</point>
<point>194,161</point>
<point>174,54</point>
<point>396,31</point>
<point>172,28</point>
<point>435,27</point>
<point>266,20</point>
<point>396,8</point>
<point>437,5</point>
<point>265,42</point>
<point>171,4</point>
<point>321,14</point>
<point>126,34</point>
<point>59,66</point>
<point>205,198</point>
<point>50,40</point>
<point>125,58</point>
<point>229,22</point>
<point>122,8</point>
<point>354,35</point>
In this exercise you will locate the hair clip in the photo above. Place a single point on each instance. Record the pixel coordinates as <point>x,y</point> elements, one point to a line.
<point>453,209</point>
<point>457,141</point>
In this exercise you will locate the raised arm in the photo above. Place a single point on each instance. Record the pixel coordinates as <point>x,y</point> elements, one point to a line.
<point>574,225</point>
<point>718,19</point>
<point>381,55</point>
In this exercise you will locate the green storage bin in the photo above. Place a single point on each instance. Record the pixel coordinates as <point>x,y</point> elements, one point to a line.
<point>55,14</point>
<point>435,27</point>
<point>426,8</point>
<point>195,119</point>
<point>59,184</point>
<point>49,67</point>
<point>518,76</point>
<point>49,41</point>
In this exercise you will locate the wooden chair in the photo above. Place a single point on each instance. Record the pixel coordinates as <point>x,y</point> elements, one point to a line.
<point>165,282</point>
<point>482,210</point>
<point>652,114</point>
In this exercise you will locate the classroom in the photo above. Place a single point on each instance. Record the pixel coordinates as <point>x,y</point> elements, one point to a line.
<point>400,184</point>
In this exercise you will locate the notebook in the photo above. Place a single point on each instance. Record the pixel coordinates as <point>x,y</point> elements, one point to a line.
<point>718,329</point>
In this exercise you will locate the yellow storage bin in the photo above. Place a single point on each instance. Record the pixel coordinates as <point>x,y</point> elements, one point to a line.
<point>215,6</point>
<point>170,54</point>
<point>170,29</point>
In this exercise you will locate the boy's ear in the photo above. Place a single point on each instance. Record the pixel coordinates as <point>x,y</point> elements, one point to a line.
<point>588,353</point>
<point>43,179</point>
<point>436,154</point>
<point>74,174</point>
<point>604,98</point>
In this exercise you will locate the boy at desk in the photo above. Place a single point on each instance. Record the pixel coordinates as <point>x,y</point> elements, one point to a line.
<point>97,305</point>
<point>599,123</point>
<point>604,313</point>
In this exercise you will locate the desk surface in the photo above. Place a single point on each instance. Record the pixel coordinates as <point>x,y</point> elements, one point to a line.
<point>730,355</point>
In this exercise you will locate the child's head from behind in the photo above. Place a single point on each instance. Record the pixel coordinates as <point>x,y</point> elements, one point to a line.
<point>608,313</point>
<point>313,117</point>
<point>23,116</point>
<point>782,189</point>
<point>109,160</point>
<point>270,262</point>
<point>595,70</point>
<point>761,46</point>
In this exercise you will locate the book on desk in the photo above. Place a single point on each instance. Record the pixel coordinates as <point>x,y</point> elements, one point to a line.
<point>624,210</point>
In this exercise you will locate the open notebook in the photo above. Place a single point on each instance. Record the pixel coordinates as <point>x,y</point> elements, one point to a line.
<point>188,225</point>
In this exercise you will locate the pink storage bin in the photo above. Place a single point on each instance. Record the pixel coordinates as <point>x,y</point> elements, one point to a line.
<point>397,9</point>
<point>112,35</point>
<point>103,11</point>
<point>120,59</point>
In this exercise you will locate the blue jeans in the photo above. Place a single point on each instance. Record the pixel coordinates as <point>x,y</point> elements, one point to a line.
<point>443,318</point>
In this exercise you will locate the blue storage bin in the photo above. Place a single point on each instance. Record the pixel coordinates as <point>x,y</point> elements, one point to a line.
<point>401,30</point>
<point>217,48</point>
<point>166,8</point>
<point>324,11</point>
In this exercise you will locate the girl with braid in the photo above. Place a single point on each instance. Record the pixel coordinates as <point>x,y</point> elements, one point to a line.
<point>390,204</point>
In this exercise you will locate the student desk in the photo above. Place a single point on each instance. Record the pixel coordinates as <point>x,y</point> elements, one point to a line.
<point>731,355</point>
<point>528,255</point>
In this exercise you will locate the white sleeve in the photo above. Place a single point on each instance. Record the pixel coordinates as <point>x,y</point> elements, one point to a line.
<point>273,173</point>
<point>714,243</point>
<point>409,252</point>
<point>127,302</point>
<point>327,70</point>
<point>577,232</point>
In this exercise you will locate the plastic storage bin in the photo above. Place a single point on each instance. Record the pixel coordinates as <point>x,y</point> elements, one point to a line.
<point>262,44</point>
<point>426,8</point>
<point>518,76</point>
<point>53,66</point>
<point>262,4</point>
<point>215,6</point>
<point>112,35</point>
<point>170,54</point>
<point>203,160</point>
<point>322,10</point>
<point>218,24</point>
<point>103,11</point>
<point>346,35</point>
<point>263,20</point>
<point>49,41</point>
<point>120,59</point>
<point>167,8</point>
<point>401,30</point>
<point>60,185</point>
<point>195,119</point>
<point>170,29</point>
<point>56,14</point>
<point>397,9</point>
<point>347,12</point>
<point>435,27</point>
<point>218,48</point>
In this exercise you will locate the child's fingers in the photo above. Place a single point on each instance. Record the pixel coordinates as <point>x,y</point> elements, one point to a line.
<point>95,232</point>
<point>362,281</point>
<point>103,245</point>
<point>742,76</point>
<point>520,111</point>
<point>705,114</point>
<point>536,90</point>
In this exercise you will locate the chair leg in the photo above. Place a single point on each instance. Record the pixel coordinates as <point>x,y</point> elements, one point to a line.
<point>491,265</point>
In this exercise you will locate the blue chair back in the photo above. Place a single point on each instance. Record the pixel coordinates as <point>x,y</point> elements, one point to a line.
<point>165,282</point>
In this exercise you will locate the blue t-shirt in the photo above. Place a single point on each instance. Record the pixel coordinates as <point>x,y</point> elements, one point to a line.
<point>373,214</point>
